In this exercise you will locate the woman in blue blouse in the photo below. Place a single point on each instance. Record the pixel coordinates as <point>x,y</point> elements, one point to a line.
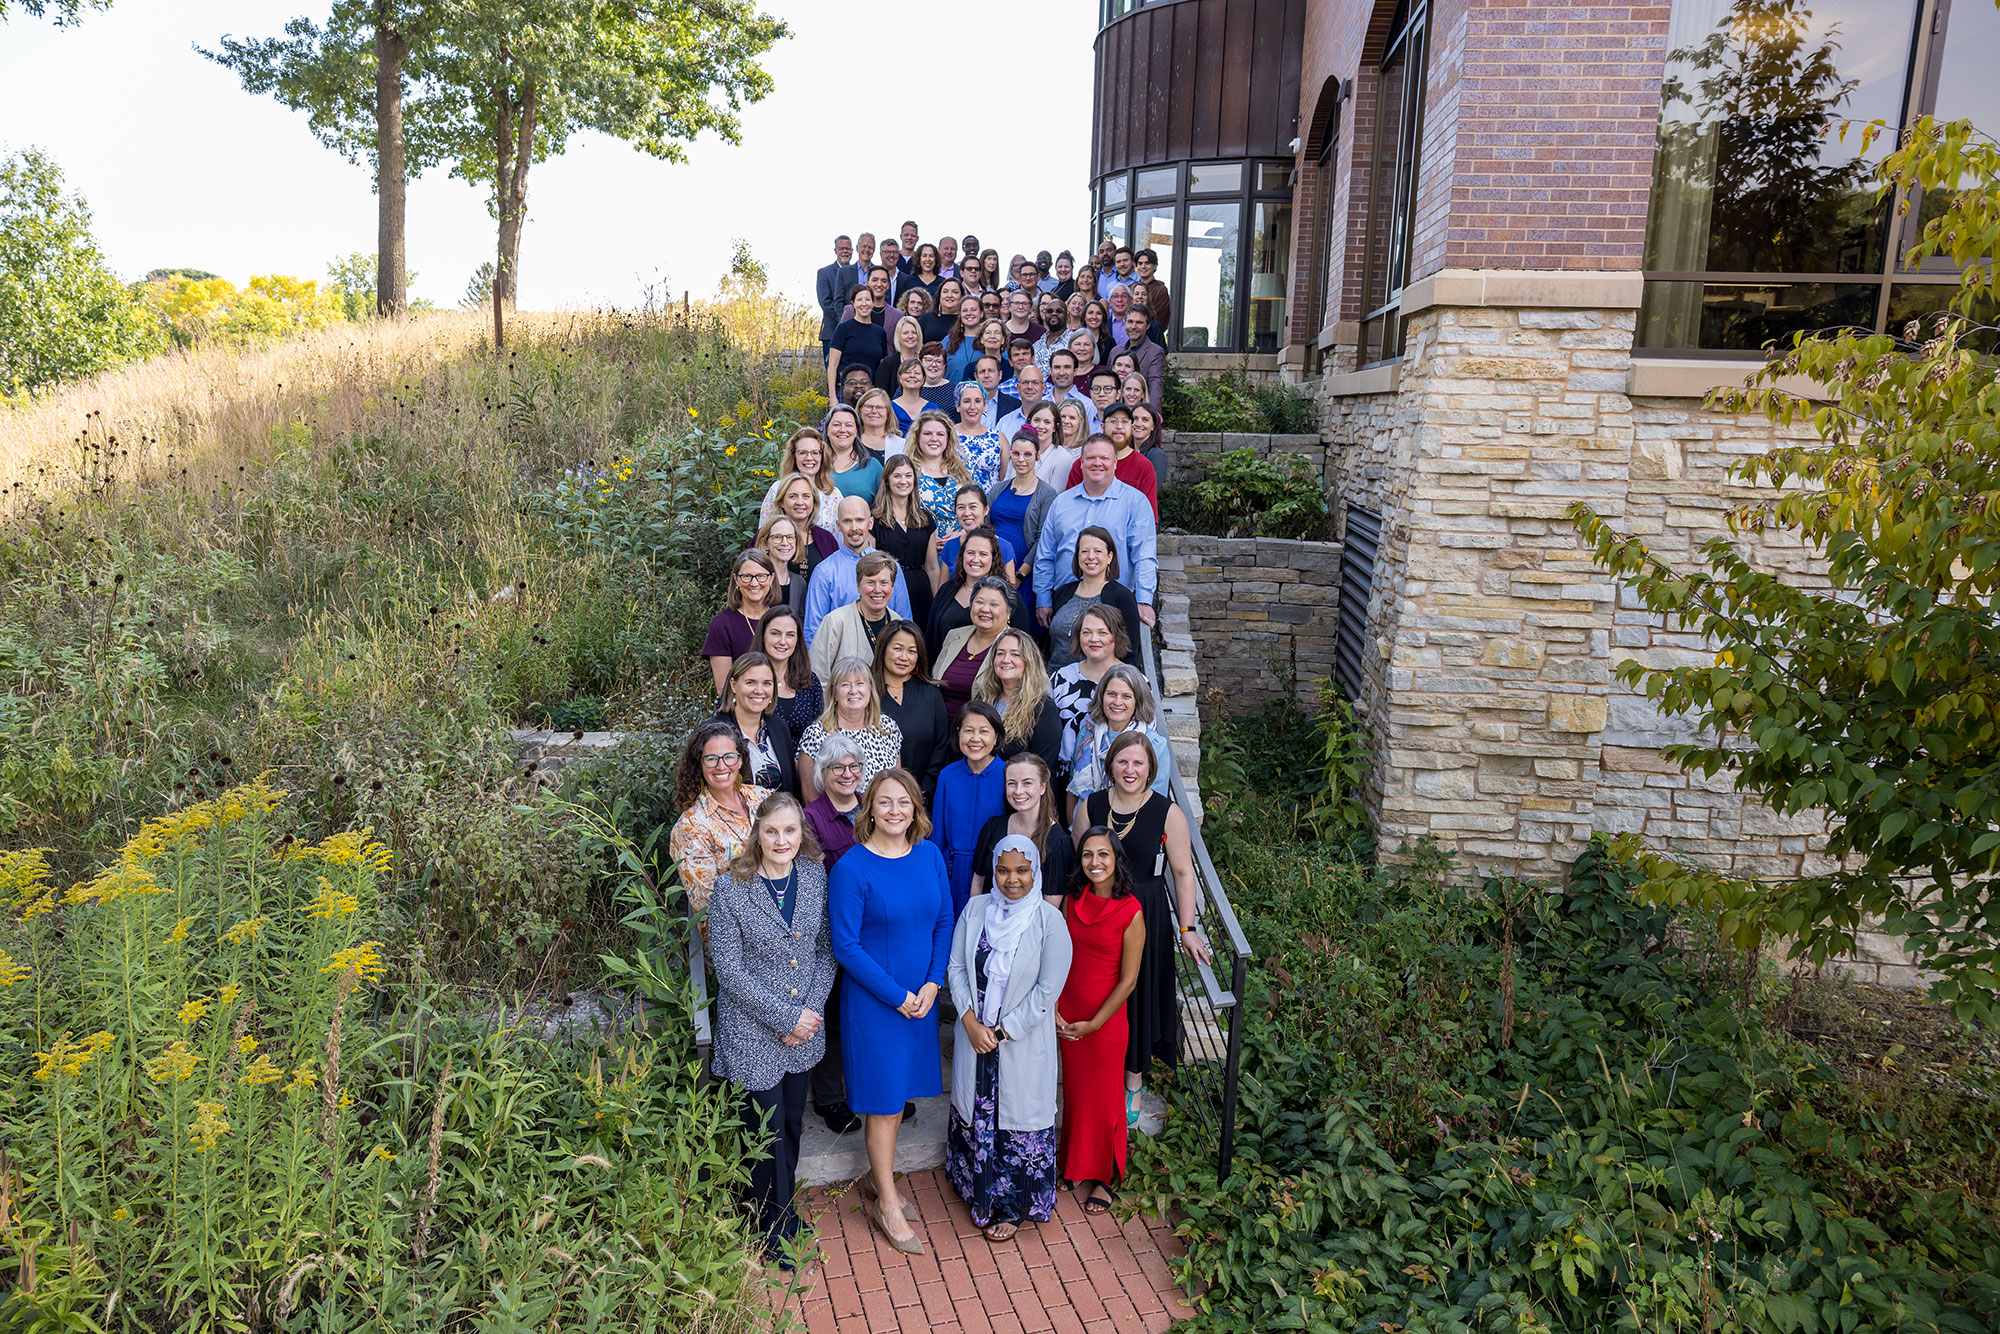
<point>978,447</point>
<point>970,791</point>
<point>890,906</point>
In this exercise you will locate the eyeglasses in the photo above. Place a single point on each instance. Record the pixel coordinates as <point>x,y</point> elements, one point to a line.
<point>728,761</point>
<point>845,767</point>
<point>758,578</point>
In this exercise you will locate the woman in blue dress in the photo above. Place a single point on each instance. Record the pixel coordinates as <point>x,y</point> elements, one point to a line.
<point>970,791</point>
<point>889,904</point>
<point>979,446</point>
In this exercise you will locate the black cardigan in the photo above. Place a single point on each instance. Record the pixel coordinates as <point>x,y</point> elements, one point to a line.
<point>926,731</point>
<point>1116,595</point>
<point>783,742</point>
<point>1044,740</point>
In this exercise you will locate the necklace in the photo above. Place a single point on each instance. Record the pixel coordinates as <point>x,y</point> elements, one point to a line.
<point>1123,831</point>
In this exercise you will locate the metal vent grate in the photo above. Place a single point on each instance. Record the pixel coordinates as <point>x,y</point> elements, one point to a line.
<point>1357,579</point>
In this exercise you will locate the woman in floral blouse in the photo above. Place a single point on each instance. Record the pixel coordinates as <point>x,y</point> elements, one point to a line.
<point>715,806</point>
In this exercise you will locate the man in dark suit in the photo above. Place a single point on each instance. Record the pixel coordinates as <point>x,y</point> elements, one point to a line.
<point>831,287</point>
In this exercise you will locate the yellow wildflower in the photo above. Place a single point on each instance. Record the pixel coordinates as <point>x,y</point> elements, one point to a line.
<point>730,450</point>
<point>118,881</point>
<point>331,902</point>
<point>693,413</point>
<point>261,1071</point>
<point>352,847</point>
<point>119,1215</point>
<point>208,1126</point>
<point>228,995</point>
<point>365,959</point>
<point>11,970</point>
<point>302,1078</point>
<point>68,1058</point>
<point>245,1045</point>
<point>177,1062</point>
<point>37,906</point>
<point>192,1012</point>
<point>346,1101</point>
<point>383,1154</point>
<point>180,931</point>
<point>247,929</point>
<point>23,876</point>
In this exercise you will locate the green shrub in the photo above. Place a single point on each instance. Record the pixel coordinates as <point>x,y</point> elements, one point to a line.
<point>229,1105</point>
<point>1229,402</point>
<point>1242,495</point>
<point>1509,1109</point>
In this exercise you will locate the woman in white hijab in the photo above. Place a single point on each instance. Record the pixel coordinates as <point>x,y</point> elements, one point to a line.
<point>1010,956</point>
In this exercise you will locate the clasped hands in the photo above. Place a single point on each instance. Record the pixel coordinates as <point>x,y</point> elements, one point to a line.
<point>1074,1032</point>
<point>916,1004</point>
<point>809,1022</point>
<point>982,1037</point>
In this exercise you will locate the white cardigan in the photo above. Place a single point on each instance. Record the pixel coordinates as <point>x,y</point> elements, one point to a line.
<point>1028,1058</point>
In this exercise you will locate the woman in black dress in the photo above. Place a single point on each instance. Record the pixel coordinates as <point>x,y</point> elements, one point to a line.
<point>906,530</point>
<point>902,679</point>
<point>1031,813</point>
<point>1154,832</point>
<point>856,342</point>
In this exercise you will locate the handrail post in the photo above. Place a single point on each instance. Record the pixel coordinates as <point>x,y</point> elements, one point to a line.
<point>1226,1151</point>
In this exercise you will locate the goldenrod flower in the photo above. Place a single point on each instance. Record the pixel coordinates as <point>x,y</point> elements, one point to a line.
<point>37,906</point>
<point>382,1154</point>
<point>331,902</point>
<point>208,1126</point>
<point>346,1101</point>
<point>68,1058</point>
<point>24,876</point>
<point>228,995</point>
<point>177,1062</point>
<point>246,1044</point>
<point>11,970</point>
<point>365,959</point>
<point>119,1215</point>
<point>304,1077</point>
<point>247,929</point>
<point>180,931</point>
<point>261,1071</point>
<point>352,847</point>
<point>192,1012</point>
<point>118,881</point>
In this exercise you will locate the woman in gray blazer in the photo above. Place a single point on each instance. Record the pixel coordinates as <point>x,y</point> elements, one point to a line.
<point>1010,956</point>
<point>773,956</point>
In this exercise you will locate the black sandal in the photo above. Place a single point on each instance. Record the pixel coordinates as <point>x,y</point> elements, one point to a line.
<point>1099,1202</point>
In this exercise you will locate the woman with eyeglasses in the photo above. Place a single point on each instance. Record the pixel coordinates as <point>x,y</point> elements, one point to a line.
<point>734,629</point>
<point>713,805</point>
<point>805,452</point>
<point>781,638</point>
<point>749,700</point>
<point>878,433</point>
<point>853,710</point>
<point>778,538</point>
<point>937,388</point>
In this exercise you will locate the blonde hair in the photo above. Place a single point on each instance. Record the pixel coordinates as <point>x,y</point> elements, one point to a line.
<point>784,484</point>
<point>829,718</point>
<point>920,822</point>
<point>1026,708</point>
<point>1064,436</point>
<point>744,865</point>
<point>788,461</point>
<point>954,462</point>
<point>763,542</point>
<point>861,427</point>
<point>914,323</point>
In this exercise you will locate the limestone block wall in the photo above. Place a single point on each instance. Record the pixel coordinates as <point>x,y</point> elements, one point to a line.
<point>1254,604</point>
<point>1185,449</point>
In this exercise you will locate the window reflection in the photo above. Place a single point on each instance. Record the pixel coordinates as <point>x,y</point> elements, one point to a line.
<point>1270,273</point>
<point>1749,315</point>
<point>1159,182</point>
<point>1208,299</point>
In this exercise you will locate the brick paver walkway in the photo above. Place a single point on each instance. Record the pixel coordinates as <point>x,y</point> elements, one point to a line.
<point>1074,1274</point>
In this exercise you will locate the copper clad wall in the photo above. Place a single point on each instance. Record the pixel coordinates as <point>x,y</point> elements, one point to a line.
<point>1198,79</point>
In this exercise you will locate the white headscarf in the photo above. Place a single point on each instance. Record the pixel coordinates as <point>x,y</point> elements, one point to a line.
<point>1007,922</point>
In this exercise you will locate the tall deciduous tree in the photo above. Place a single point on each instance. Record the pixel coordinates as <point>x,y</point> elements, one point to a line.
<point>1877,699</point>
<point>516,78</point>
<point>67,12</point>
<point>63,313</point>
<point>349,78</point>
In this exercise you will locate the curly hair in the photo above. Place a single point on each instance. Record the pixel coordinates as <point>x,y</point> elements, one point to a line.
<point>688,781</point>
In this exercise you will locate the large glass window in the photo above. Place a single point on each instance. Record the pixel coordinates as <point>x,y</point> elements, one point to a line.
<point>1207,299</point>
<point>1270,273</point>
<point>1392,187</point>
<point>1159,182</point>
<point>1764,219</point>
<point>1155,228</point>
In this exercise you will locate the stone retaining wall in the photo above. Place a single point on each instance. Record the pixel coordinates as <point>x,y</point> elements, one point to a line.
<point>1186,448</point>
<point>1257,607</point>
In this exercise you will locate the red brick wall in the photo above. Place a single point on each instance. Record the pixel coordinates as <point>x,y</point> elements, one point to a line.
<point>1537,145</point>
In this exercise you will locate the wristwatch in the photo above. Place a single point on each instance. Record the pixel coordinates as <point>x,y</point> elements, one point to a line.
<point>999,1034</point>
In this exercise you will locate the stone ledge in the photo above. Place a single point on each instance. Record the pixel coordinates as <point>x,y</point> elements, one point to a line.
<point>1560,289</point>
<point>1696,377</point>
<point>1374,380</point>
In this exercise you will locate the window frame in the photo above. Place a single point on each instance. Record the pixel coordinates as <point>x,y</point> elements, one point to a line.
<point>1409,38</point>
<point>1923,65</point>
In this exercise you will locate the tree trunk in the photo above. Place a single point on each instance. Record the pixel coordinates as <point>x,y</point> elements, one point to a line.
<point>392,293</point>
<point>503,169</point>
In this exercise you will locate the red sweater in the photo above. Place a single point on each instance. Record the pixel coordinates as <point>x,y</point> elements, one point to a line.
<point>1133,470</point>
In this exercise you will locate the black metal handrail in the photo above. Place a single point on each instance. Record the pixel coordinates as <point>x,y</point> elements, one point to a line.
<point>1211,1017</point>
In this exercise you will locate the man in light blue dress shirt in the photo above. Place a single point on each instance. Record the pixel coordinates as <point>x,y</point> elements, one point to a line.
<point>1105,502</point>
<point>833,581</point>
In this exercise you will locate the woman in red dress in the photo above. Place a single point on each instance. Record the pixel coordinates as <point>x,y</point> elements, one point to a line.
<point>1108,936</point>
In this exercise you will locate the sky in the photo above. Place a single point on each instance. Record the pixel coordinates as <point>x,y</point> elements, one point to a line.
<point>183,169</point>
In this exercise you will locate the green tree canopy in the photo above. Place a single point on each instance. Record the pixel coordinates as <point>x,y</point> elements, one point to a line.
<point>1877,699</point>
<point>67,13</point>
<point>63,313</point>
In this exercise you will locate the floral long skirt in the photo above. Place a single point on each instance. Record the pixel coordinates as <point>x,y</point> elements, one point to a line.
<point>1004,1176</point>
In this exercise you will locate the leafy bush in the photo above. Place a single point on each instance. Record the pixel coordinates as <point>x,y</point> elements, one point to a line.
<point>1509,1109</point>
<point>228,1106</point>
<point>1229,402</point>
<point>1240,494</point>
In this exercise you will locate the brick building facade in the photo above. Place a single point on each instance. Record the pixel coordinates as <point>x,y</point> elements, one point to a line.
<point>1526,239</point>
